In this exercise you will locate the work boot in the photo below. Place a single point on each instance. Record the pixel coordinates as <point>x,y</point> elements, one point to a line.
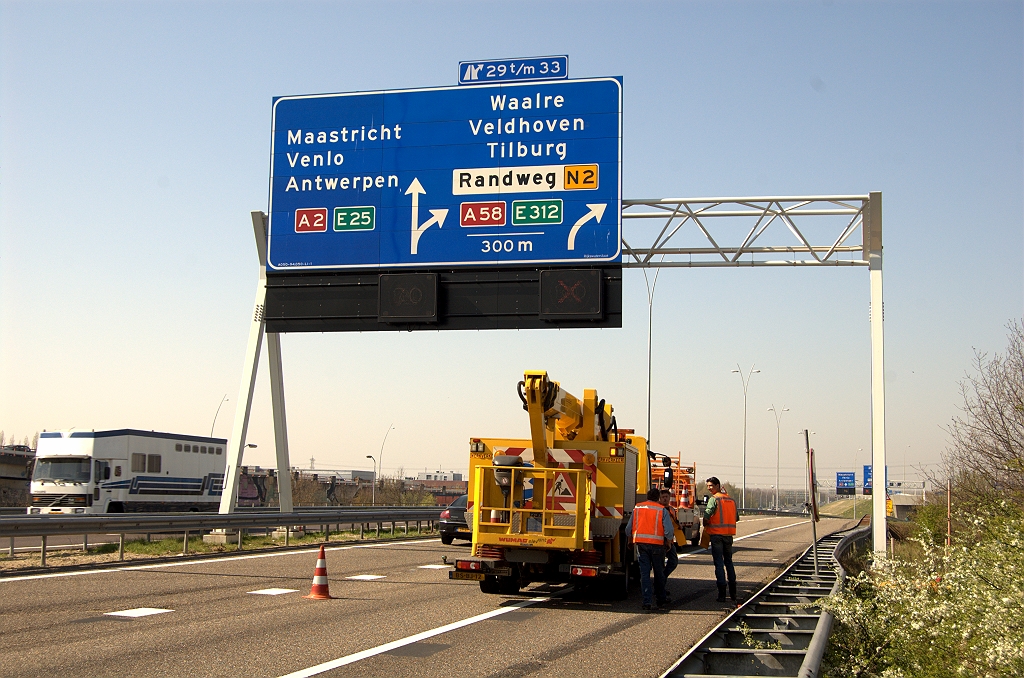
<point>732,590</point>
<point>721,594</point>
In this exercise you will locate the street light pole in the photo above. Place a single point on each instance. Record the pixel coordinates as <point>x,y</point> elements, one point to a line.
<point>746,381</point>
<point>391,427</point>
<point>221,404</point>
<point>373,486</point>
<point>778,447</point>
<point>855,482</point>
<point>650,327</point>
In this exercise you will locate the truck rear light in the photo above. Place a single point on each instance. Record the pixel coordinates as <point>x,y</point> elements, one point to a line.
<point>582,571</point>
<point>471,565</point>
<point>476,445</point>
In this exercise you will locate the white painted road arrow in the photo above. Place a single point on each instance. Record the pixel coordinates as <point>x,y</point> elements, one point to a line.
<point>416,188</point>
<point>596,212</point>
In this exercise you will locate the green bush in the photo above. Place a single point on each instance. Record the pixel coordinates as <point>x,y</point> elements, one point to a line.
<point>954,612</point>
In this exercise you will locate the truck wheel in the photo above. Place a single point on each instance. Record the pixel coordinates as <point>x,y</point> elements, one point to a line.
<point>508,586</point>
<point>115,507</point>
<point>447,539</point>
<point>489,585</point>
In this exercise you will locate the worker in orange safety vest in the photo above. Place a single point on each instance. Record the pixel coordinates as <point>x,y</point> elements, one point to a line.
<point>720,518</point>
<point>649,530</point>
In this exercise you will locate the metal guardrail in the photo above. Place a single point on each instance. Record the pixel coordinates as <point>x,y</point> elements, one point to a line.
<point>778,632</point>
<point>122,523</point>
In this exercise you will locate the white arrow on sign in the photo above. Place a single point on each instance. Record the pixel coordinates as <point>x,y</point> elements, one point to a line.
<point>416,188</point>
<point>596,212</point>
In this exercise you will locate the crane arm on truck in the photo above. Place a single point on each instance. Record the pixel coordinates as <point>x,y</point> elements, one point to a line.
<point>556,414</point>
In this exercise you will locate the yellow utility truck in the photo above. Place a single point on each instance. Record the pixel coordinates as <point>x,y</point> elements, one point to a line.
<point>553,507</point>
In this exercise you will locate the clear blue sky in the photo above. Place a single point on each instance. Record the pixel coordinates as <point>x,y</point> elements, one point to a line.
<point>134,141</point>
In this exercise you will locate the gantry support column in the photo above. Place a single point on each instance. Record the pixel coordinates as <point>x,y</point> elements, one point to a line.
<point>873,253</point>
<point>284,476</point>
<point>243,406</point>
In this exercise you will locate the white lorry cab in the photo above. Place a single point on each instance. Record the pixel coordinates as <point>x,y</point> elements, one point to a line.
<point>126,471</point>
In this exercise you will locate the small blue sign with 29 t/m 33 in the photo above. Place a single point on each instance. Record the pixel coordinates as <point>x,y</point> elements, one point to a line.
<point>509,70</point>
<point>495,175</point>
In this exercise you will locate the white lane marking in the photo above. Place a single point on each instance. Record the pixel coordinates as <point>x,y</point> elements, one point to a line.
<point>366,577</point>
<point>210,561</point>
<point>433,567</point>
<point>273,592</point>
<point>408,640</point>
<point>138,612</point>
<point>699,551</point>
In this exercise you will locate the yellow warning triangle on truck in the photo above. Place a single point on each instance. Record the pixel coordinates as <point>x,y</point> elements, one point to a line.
<point>562,487</point>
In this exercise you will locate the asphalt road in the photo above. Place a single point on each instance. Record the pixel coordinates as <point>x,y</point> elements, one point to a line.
<point>402,616</point>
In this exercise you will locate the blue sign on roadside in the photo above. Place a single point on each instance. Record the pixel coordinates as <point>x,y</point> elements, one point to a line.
<point>510,70</point>
<point>846,482</point>
<point>491,175</point>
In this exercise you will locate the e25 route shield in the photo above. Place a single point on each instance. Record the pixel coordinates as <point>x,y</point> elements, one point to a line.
<point>493,175</point>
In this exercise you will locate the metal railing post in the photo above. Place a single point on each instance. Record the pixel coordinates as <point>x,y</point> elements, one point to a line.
<point>184,544</point>
<point>120,547</point>
<point>85,543</point>
<point>42,551</point>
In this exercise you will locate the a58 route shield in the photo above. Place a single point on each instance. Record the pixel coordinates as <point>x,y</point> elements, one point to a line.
<point>493,175</point>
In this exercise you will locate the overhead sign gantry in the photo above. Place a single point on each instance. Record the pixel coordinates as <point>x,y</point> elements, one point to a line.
<point>497,204</point>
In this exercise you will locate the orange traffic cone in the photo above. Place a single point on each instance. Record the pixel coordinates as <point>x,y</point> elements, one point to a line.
<point>320,590</point>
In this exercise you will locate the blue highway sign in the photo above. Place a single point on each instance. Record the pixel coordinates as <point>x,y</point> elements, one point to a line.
<point>510,70</point>
<point>846,483</point>
<point>492,175</point>
<point>868,479</point>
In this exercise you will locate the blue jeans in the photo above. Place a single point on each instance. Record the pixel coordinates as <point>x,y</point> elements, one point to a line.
<point>671,561</point>
<point>721,551</point>
<point>651,555</point>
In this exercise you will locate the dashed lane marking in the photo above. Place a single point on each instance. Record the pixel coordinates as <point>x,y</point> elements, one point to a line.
<point>409,640</point>
<point>138,612</point>
<point>366,577</point>
<point>210,561</point>
<point>434,567</point>
<point>273,592</point>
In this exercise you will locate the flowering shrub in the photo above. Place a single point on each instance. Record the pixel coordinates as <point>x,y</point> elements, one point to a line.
<point>951,612</point>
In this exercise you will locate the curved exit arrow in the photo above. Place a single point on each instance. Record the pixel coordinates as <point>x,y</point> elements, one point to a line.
<point>596,212</point>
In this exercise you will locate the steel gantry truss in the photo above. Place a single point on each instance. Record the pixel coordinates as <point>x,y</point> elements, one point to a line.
<point>832,230</point>
<point>764,231</point>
